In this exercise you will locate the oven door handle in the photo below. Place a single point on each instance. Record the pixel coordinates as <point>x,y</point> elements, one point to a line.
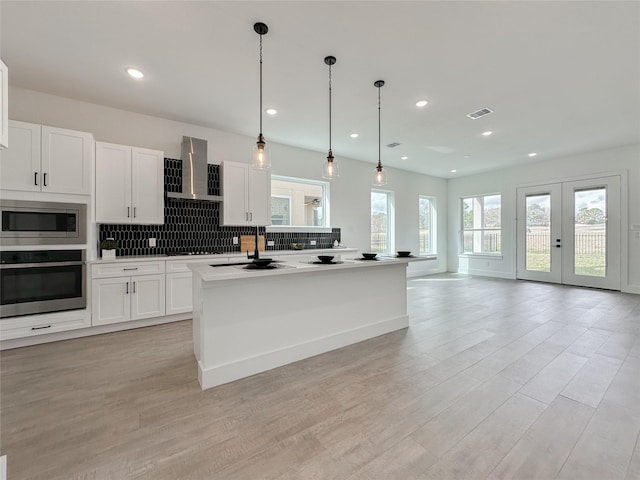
<point>7,266</point>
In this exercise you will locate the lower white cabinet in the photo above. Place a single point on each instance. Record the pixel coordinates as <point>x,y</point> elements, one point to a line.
<point>29,326</point>
<point>122,299</point>
<point>179,296</point>
<point>118,295</point>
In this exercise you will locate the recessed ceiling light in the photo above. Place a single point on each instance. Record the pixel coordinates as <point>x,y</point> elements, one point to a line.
<point>454,171</point>
<point>404,157</point>
<point>271,111</point>
<point>421,103</point>
<point>467,156</point>
<point>354,135</point>
<point>134,72</point>
<point>533,154</point>
<point>487,133</point>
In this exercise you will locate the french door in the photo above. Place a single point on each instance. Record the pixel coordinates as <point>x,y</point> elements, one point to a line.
<point>569,233</point>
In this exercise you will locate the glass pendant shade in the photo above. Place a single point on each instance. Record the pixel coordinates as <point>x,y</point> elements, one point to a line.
<point>330,167</point>
<point>379,177</point>
<point>261,156</point>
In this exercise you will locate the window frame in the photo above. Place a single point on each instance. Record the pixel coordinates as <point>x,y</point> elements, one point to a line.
<point>326,194</point>
<point>391,220</point>
<point>479,233</point>
<point>433,228</point>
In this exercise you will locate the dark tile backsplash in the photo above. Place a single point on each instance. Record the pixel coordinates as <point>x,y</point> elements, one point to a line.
<point>194,225</point>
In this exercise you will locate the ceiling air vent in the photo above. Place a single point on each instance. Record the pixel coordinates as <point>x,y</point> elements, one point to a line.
<point>479,113</point>
<point>393,145</point>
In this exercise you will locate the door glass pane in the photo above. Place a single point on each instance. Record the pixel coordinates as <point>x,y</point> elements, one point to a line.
<point>379,222</point>
<point>590,237</point>
<point>538,240</point>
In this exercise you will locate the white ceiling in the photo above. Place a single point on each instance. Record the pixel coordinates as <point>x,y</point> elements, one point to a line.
<point>562,77</point>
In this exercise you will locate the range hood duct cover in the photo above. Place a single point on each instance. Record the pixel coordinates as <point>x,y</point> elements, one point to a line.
<point>194,171</point>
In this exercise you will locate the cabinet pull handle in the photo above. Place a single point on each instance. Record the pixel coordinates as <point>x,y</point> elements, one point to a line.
<point>134,212</point>
<point>134,287</point>
<point>127,290</point>
<point>44,177</point>
<point>132,268</point>
<point>41,328</point>
<point>251,216</point>
<point>128,211</point>
<point>35,178</point>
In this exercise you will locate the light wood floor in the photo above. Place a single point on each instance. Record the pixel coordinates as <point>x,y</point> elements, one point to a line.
<point>494,379</point>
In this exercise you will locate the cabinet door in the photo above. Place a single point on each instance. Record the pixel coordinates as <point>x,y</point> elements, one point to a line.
<point>20,164</point>
<point>147,186</point>
<point>113,183</point>
<point>4,111</point>
<point>66,161</point>
<point>179,293</point>
<point>147,296</point>
<point>260,197</point>
<point>111,300</point>
<point>235,193</point>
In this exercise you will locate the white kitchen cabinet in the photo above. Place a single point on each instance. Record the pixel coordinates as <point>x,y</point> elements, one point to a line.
<point>47,159</point>
<point>4,105</point>
<point>246,195</point>
<point>129,184</point>
<point>179,293</point>
<point>127,291</point>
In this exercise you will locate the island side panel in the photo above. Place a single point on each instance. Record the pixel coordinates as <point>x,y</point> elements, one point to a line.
<point>258,323</point>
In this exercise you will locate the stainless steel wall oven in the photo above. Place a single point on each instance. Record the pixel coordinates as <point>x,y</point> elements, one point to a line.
<point>42,223</point>
<point>42,281</point>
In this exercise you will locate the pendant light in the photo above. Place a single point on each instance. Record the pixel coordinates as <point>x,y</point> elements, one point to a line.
<point>261,158</point>
<point>330,166</point>
<point>379,175</point>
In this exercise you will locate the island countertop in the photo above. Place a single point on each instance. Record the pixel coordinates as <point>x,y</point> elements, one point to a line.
<point>221,270</point>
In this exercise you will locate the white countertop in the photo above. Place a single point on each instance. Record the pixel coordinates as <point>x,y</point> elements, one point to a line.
<point>224,255</point>
<point>210,273</point>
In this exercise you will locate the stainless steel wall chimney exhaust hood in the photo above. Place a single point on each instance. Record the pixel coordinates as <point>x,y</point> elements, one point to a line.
<point>194,171</point>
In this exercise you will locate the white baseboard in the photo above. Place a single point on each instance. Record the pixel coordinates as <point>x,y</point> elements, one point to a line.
<point>245,367</point>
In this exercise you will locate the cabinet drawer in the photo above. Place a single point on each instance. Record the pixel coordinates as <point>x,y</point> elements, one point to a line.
<point>106,270</point>
<point>19,327</point>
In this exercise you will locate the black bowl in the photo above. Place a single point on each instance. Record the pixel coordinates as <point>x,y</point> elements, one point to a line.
<point>403,253</point>
<point>369,256</point>
<point>262,262</point>
<point>326,258</point>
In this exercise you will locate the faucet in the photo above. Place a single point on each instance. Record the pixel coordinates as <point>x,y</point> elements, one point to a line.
<point>256,252</point>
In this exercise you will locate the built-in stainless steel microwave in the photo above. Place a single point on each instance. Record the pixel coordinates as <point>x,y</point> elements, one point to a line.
<point>42,223</point>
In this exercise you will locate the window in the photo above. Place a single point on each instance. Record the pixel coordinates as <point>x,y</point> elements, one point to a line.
<point>382,219</point>
<point>481,224</point>
<point>427,224</point>
<point>297,202</point>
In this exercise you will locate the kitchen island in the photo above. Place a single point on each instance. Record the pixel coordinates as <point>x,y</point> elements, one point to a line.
<point>250,321</point>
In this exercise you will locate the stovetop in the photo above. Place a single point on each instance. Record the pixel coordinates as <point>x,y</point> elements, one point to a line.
<point>201,252</point>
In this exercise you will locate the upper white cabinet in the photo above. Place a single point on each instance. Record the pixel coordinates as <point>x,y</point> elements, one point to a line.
<point>129,184</point>
<point>4,105</point>
<point>47,159</point>
<point>246,195</point>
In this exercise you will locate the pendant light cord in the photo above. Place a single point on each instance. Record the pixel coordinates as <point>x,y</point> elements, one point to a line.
<point>379,135</point>
<point>260,85</point>
<point>329,107</point>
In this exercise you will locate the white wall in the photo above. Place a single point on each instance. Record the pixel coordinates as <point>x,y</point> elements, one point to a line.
<point>623,159</point>
<point>350,193</point>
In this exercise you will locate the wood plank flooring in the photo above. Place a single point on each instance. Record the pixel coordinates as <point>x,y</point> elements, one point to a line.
<point>494,379</point>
